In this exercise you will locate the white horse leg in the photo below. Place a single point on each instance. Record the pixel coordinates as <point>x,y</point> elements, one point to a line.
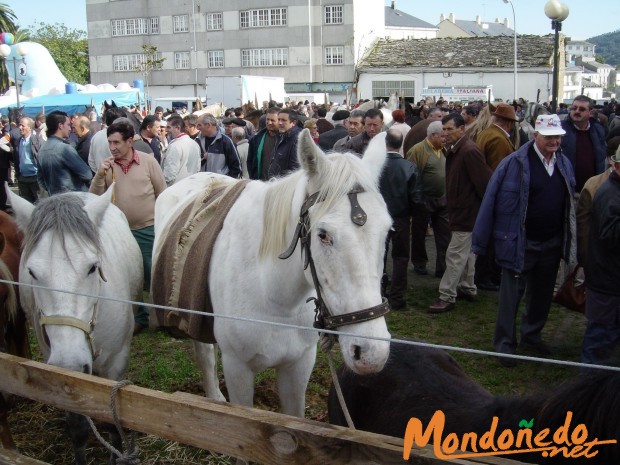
<point>292,383</point>
<point>239,380</point>
<point>206,360</point>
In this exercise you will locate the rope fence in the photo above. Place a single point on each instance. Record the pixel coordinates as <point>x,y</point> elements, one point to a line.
<point>465,350</point>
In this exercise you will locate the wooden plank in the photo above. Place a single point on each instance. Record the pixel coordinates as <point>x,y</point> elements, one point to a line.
<point>256,435</point>
<point>9,457</point>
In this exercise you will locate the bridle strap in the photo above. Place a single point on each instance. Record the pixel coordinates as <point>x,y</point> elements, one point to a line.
<point>59,320</point>
<point>323,318</point>
<point>333,322</point>
<point>63,320</point>
<point>358,215</point>
<point>301,230</point>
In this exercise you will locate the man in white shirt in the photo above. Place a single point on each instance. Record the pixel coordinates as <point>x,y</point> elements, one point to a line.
<point>182,158</point>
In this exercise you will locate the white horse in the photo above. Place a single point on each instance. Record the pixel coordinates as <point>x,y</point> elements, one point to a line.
<point>247,279</point>
<point>81,243</point>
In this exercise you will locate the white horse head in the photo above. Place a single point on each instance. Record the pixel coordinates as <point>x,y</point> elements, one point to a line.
<point>65,248</point>
<point>349,257</point>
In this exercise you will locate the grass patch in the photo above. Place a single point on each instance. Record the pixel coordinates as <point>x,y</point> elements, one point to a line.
<point>161,362</point>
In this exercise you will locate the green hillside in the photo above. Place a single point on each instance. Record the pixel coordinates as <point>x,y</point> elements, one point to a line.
<point>608,46</point>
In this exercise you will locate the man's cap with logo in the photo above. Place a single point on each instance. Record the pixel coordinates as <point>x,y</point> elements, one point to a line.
<point>549,125</point>
<point>340,115</point>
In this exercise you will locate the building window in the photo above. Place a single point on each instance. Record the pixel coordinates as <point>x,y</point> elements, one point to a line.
<point>263,18</point>
<point>381,89</point>
<point>180,23</point>
<point>154,25</point>
<point>333,14</point>
<point>334,55</point>
<point>135,26</point>
<point>181,60</point>
<point>216,58</point>
<point>214,21</point>
<point>260,57</point>
<point>131,62</point>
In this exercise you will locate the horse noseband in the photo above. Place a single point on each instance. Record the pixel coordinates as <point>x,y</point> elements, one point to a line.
<point>323,318</point>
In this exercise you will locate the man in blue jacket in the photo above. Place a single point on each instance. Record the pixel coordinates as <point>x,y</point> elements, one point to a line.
<point>61,168</point>
<point>584,143</point>
<point>528,211</point>
<point>219,154</point>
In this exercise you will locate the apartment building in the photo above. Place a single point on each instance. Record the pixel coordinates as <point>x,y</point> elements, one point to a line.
<point>313,44</point>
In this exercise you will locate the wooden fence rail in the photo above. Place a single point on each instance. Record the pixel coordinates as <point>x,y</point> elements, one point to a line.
<point>256,435</point>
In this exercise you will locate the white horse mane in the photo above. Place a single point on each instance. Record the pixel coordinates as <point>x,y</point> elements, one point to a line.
<point>343,172</point>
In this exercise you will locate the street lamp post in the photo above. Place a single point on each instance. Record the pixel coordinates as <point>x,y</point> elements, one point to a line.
<point>22,50</point>
<point>556,12</point>
<point>514,23</point>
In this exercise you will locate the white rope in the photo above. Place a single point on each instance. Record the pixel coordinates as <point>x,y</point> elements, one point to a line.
<point>327,331</point>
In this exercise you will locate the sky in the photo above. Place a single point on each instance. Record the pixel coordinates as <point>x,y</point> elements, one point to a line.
<point>586,18</point>
<point>71,13</point>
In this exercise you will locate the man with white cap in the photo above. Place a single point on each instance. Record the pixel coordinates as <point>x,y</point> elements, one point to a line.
<point>528,210</point>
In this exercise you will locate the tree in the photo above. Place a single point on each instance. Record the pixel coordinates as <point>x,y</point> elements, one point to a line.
<point>152,60</point>
<point>7,19</point>
<point>7,24</point>
<point>68,47</point>
<point>599,58</point>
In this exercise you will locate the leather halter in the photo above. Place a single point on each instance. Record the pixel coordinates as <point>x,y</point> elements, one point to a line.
<point>63,320</point>
<point>323,318</point>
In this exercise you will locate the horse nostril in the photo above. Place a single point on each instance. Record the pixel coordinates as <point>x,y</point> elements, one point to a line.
<point>357,353</point>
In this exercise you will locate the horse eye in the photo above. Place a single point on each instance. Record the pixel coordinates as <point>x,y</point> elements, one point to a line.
<point>92,269</point>
<point>325,237</point>
<point>32,274</point>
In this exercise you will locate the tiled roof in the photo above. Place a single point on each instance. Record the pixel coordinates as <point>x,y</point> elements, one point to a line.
<point>588,83</point>
<point>579,42</point>
<point>397,18</point>
<point>473,52</point>
<point>484,28</point>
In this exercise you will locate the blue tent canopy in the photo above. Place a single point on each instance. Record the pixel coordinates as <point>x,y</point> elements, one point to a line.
<point>76,103</point>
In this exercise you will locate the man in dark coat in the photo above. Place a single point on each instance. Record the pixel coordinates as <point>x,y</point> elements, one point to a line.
<point>284,159</point>
<point>329,138</point>
<point>584,143</point>
<point>398,188</point>
<point>603,271</point>
<point>467,175</point>
<point>322,124</point>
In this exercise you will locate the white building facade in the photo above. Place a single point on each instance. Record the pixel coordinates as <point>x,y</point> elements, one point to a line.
<point>461,69</point>
<point>313,44</point>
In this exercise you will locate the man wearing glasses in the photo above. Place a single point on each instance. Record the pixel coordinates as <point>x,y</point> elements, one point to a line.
<point>529,212</point>
<point>584,143</point>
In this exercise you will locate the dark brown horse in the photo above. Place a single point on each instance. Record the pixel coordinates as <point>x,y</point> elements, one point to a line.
<point>416,382</point>
<point>13,329</point>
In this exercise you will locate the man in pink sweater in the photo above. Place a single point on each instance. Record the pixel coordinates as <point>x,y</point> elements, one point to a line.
<point>138,182</point>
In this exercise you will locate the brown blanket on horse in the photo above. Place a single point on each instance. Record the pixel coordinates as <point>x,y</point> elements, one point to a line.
<point>181,270</point>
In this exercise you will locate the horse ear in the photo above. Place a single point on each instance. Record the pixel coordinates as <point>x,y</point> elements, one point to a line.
<point>96,208</point>
<point>374,157</point>
<point>21,207</point>
<point>309,154</point>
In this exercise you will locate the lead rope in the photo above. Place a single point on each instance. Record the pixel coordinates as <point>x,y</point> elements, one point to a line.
<point>132,456</point>
<point>327,343</point>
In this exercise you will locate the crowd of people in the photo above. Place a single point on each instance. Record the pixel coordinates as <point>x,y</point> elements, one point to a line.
<point>509,199</point>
